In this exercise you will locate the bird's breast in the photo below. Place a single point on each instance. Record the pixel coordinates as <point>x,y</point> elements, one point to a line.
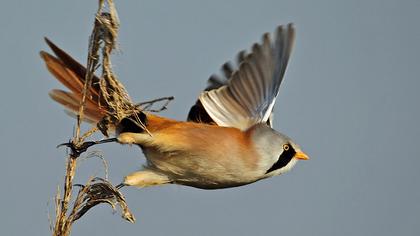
<point>206,155</point>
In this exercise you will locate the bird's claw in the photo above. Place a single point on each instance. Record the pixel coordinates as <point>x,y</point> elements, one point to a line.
<point>76,150</point>
<point>119,186</point>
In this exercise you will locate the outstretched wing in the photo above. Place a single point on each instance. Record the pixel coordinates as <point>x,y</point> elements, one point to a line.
<point>249,94</point>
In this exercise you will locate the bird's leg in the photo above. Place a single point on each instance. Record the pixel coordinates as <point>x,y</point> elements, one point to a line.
<point>144,178</point>
<point>164,142</point>
<point>119,186</point>
<point>135,138</point>
<point>77,150</point>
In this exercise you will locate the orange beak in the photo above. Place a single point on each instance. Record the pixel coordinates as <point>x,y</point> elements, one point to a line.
<point>301,156</point>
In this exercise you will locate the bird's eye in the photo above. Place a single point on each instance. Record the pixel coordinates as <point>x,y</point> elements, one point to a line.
<point>286,147</point>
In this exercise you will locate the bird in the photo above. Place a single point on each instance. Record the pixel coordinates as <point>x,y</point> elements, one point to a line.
<point>228,138</point>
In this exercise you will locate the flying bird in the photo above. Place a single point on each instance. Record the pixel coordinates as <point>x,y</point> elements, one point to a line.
<point>228,139</point>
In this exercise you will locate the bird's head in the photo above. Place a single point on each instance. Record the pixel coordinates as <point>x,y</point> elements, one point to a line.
<point>277,152</point>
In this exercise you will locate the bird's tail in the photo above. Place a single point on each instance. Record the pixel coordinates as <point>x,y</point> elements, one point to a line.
<point>72,75</point>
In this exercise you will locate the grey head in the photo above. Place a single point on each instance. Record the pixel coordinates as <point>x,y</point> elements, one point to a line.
<point>277,152</point>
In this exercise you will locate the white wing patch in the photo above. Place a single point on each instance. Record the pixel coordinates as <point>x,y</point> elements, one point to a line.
<point>248,97</point>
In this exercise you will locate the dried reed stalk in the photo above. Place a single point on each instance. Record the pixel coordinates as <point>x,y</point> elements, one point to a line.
<point>114,98</point>
<point>96,190</point>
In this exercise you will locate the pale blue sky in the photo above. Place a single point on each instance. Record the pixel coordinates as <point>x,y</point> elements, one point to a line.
<point>350,99</point>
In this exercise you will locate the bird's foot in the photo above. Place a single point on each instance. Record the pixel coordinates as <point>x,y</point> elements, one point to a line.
<point>119,186</point>
<point>76,150</point>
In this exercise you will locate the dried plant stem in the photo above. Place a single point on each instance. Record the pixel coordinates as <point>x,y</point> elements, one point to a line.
<point>64,225</point>
<point>115,100</point>
<point>146,106</point>
<point>64,219</point>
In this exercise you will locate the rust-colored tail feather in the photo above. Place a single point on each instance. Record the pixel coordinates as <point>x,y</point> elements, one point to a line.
<point>72,75</point>
<point>72,102</point>
<point>74,66</point>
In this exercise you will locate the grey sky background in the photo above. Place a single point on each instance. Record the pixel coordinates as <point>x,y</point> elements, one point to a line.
<point>350,99</point>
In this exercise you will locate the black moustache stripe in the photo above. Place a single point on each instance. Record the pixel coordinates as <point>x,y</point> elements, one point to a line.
<point>283,160</point>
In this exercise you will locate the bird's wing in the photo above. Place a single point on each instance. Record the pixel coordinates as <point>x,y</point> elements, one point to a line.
<point>248,94</point>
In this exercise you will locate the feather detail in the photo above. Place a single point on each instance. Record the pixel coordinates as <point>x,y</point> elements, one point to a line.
<point>248,96</point>
<point>72,103</point>
<point>72,75</point>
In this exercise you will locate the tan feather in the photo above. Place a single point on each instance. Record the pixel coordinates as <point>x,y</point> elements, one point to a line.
<point>71,74</point>
<point>72,102</point>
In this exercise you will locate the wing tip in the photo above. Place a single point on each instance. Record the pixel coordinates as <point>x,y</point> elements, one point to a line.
<point>288,30</point>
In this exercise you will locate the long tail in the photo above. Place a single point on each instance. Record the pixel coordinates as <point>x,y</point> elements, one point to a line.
<point>72,75</point>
